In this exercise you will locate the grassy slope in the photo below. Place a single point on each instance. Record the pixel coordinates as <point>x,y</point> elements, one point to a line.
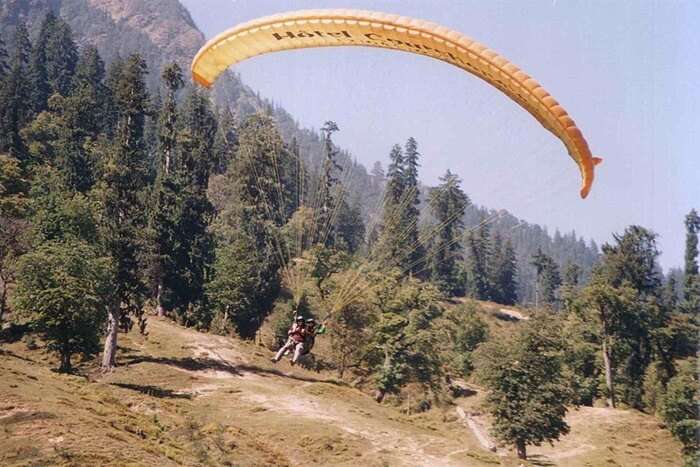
<point>181,397</point>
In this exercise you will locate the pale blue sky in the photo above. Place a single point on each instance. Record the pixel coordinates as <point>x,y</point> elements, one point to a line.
<point>627,71</point>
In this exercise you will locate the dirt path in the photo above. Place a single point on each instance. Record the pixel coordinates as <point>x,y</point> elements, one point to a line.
<point>284,396</point>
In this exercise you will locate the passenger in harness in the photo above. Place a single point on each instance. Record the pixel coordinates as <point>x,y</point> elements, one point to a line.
<point>311,332</point>
<point>295,341</point>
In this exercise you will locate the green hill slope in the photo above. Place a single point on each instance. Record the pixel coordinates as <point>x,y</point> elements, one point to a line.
<point>185,398</point>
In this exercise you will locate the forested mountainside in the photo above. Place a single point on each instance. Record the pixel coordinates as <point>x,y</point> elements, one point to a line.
<point>162,31</point>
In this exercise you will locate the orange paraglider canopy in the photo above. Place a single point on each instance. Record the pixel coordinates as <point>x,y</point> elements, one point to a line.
<point>330,28</point>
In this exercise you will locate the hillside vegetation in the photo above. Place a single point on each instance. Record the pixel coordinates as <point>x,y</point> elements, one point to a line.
<point>185,398</point>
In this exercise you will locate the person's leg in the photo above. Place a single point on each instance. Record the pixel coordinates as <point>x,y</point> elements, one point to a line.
<point>283,350</point>
<point>298,351</point>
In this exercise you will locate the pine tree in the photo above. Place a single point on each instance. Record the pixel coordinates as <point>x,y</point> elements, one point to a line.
<point>572,274</point>
<point>691,287</point>
<point>194,251</point>
<point>389,250</point>
<point>63,134</point>
<point>448,203</point>
<point>327,193</point>
<point>478,273</point>
<point>4,60</point>
<point>633,258</point>
<point>252,219</point>
<point>349,227</point>
<point>505,281</point>
<point>61,55</point>
<point>40,88</point>
<point>89,94</point>
<point>124,177</point>
<point>226,142</point>
<point>163,219</point>
<point>411,214</point>
<point>15,108</point>
<point>548,278</point>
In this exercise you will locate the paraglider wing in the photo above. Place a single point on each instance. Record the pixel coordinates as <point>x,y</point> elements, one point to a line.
<point>328,28</point>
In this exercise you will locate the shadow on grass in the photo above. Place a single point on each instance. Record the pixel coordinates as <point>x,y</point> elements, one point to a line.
<point>208,364</point>
<point>275,372</point>
<point>187,363</point>
<point>540,460</point>
<point>14,355</point>
<point>153,391</point>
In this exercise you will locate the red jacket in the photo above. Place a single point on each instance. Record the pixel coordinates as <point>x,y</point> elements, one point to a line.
<point>297,332</point>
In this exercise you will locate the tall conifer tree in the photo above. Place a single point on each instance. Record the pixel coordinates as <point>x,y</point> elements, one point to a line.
<point>448,203</point>
<point>124,178</point>
<point>410,216</point>
<point>15,100</point>
<point>691,287</point>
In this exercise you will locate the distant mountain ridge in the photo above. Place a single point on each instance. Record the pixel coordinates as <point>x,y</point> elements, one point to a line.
<point>163,31</point>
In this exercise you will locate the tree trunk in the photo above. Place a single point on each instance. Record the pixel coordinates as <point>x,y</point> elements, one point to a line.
<point>520,448</point>
<point>3,301</point>
<point>110,351</point>
<point>379,395</point>
<point>160,310</point>
<point>65,363</point>
<point>607,359</point>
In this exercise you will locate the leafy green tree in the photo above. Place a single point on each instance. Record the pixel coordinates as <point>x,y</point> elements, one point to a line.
<point>448,203</point>
<point>679,409</point>
<point>528,393</point>
<point>402,335</point>
<point>581,356</point>
<point>14,187</point>
<point>256,210</point>
<point>609,306</point>
<point>465,331</point>
<point>121,189</point>
<point>235,284</point>
<point>57,213</point>
<point>65,290</point>
<point>631,261</point>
